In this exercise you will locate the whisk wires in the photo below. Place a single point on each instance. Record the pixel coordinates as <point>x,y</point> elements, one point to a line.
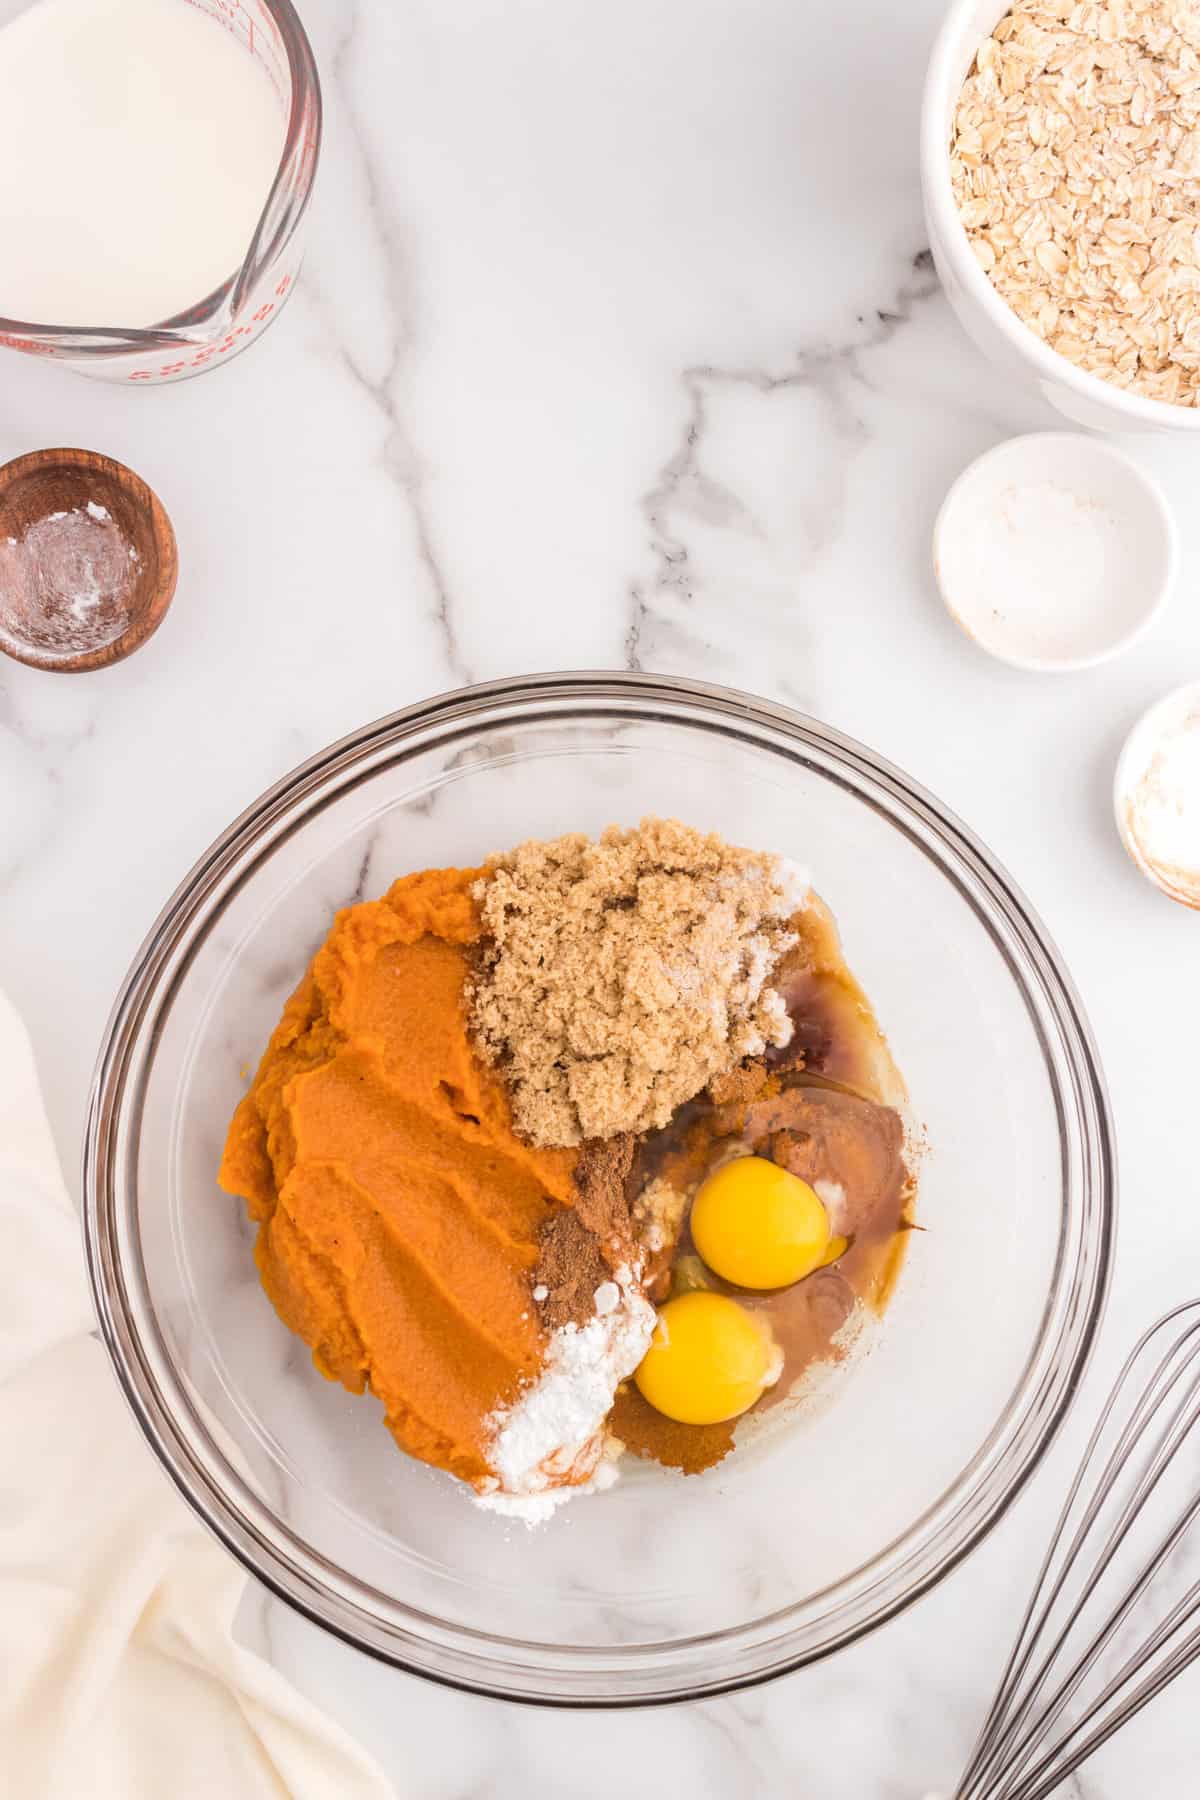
<point>1110,1554</point>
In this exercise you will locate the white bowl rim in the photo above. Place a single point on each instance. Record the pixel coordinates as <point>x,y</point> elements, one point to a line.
<point>943,209</point>
<point>1169,538</point>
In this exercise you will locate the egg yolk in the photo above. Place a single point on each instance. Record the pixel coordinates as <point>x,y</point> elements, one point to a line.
<point>759,1226</point>
<point>709,1360</point>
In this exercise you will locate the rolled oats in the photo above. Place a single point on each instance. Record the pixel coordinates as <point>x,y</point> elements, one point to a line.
<point>1075,162</point>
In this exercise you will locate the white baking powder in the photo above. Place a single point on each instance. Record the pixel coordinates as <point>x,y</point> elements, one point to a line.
<point>551,1443</point>
<point>832,1196</point>
<point>138,144</point>
<point>66,582</point>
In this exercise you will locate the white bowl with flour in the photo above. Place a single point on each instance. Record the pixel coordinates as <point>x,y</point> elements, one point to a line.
<point>1156,795</point>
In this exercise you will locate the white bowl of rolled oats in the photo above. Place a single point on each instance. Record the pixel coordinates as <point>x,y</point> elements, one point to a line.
<point>1060,160</point>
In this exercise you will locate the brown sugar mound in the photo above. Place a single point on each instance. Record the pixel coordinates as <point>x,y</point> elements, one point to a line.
<point>619,976</point>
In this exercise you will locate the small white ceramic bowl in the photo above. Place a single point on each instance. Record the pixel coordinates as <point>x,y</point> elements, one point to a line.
<point>1134,765</point>
<point>988,320</point>
<point>1054,551</point>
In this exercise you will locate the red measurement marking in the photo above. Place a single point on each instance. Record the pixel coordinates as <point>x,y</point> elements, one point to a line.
<point>269,20</point>
<point>30,349</point>
<point>204,354</point>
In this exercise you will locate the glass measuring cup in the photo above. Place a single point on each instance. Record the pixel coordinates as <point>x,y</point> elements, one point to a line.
<point>224,322</point>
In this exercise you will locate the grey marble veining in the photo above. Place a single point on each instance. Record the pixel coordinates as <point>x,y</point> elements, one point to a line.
<point>616,345</point>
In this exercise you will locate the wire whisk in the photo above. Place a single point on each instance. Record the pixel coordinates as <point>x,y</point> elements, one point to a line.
<point>1107,1627</point>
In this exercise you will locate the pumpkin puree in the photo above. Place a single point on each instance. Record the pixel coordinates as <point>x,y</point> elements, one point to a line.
<point>398,1213</point>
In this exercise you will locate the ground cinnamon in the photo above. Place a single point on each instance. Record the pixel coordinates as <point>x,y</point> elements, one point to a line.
<point>646,1433</point>
<point>602,1178</point>
<point>749,1081</point>
<point>570,1267</point>
<point>581,1246</point>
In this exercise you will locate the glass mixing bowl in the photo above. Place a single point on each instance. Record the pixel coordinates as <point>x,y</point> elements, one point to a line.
<point>667,1586</point>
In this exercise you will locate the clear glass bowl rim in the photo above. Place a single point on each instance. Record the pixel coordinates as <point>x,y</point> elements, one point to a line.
<point>573,1675</point>
<point>281,216</point>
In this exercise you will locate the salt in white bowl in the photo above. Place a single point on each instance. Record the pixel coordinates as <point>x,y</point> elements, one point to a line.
<point>1054,551</point>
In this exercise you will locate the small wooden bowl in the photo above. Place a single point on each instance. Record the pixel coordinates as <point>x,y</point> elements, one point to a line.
<point>107,512</point>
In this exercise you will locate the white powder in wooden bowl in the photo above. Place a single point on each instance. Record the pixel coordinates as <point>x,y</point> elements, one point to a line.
<point>66,582</point>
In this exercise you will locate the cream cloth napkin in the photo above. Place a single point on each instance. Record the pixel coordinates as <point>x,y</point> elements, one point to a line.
<point>119,1675</point>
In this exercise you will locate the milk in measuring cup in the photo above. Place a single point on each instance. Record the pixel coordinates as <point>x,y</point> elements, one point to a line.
<point>138,143</point>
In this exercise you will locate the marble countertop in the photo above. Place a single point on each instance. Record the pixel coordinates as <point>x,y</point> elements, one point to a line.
<point>617,344</point>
